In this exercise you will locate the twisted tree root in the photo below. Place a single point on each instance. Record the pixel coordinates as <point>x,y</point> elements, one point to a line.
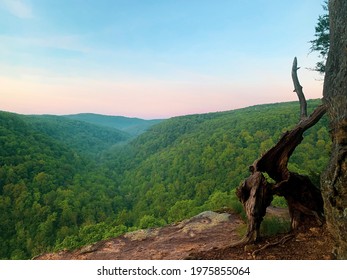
<point>283,240</point>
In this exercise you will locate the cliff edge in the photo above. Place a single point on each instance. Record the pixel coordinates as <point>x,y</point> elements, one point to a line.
<point>205,236</point>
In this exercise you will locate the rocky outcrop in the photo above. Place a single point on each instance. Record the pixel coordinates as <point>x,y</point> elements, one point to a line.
<point>205,236</point>
<point>206,231</point>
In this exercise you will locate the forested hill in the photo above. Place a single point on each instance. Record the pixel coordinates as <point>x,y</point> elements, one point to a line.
<point>34,169</point>
<point>132,126</point>
<point>54,195</point>
<point>189,164</point>
<point>83,137</point>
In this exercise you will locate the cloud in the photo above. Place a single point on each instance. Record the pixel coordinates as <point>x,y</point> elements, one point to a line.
<point>19,8</point>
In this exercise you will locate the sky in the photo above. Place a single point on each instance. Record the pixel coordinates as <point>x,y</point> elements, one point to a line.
<point>153,58</point>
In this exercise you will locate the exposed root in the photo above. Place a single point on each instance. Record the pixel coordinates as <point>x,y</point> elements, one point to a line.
<point>283,240</point>
<point>244,241</point>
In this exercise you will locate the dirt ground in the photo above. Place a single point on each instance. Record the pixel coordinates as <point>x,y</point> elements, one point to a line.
<point>307,244</point>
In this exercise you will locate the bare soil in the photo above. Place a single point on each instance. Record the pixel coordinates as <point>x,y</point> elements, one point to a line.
<point>307,244</point>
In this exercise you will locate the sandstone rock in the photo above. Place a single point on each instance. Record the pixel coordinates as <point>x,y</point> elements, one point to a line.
<point>177,241</point>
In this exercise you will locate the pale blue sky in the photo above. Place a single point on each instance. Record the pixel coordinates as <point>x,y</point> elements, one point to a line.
<point>153,58</point>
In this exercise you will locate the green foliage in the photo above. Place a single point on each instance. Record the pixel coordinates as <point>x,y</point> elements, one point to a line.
<point>219,200</point>
<point>321,43</point>
<point>236,205</point>
<point>149,221</point>
<point>58,191</point>
<point>181,210</point>
<point>47,190</point>
<point>82,137</point>
<point>89,234</point>
<point>279,201</point>
<point>274,225</point>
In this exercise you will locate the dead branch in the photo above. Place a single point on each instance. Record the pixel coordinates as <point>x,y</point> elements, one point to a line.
<point>298,90</point>
<point>275,160</point>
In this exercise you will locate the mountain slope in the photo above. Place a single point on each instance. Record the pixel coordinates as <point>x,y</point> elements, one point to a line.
<point>189,164</point>
<point>32,166</point>
<point>81,136</point>
<point>132,126</point>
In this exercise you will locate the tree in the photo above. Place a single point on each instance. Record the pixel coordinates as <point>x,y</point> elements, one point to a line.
<point>334,180</point>
<point>321,43</point>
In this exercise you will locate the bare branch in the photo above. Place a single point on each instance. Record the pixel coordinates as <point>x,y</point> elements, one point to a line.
<point>298,90</point>
<point>275,160</point>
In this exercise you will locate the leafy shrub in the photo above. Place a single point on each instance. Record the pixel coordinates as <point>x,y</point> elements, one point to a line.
<point>149,221</point>
<point>274,225</point>
<point>279,201</point>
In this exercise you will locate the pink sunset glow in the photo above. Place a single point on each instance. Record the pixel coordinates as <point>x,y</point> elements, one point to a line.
<point>159,61</point>
<point>145,99</point>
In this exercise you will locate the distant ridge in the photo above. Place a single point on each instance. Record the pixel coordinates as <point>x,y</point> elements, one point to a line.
<point>132,126</point>
<point>79,135</point>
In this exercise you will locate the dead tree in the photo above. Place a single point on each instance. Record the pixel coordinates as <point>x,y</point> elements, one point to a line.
<point>303,197</point>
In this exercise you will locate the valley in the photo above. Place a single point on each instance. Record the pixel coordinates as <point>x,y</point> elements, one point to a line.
<point>70,181</point>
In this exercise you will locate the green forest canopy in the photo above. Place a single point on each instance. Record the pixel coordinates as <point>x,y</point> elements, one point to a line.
<point>66,183</point>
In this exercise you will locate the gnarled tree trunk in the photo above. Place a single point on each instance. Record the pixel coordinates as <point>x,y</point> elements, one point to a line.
<point>303,198</point>
<point>334,181</point>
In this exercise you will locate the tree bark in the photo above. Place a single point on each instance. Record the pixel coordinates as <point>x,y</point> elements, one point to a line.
<point>256,195</point>
<point>334,180</point>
